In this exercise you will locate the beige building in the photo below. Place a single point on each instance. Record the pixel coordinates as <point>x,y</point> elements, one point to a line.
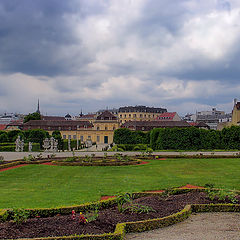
<point>101,130</point>
<point>139,113</point>
<point>236,113</point>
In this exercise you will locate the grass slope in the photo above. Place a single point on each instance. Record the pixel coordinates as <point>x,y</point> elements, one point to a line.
<point>47,186</point>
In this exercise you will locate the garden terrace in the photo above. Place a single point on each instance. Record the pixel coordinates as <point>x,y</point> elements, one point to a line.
<point>110,219</point>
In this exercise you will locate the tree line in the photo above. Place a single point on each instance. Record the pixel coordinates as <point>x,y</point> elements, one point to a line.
<point>191,138</point>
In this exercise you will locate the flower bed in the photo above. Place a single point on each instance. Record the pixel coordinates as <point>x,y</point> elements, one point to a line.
<point>111,219</point>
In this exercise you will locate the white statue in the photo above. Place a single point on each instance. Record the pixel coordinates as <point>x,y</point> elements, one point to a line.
<point>29,146</point>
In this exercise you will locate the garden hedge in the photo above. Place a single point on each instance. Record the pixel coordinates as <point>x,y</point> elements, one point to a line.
<point>127,227</point>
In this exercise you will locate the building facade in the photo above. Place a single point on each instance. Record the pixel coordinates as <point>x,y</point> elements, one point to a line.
<point>101,130</point>
<point>139,113</point>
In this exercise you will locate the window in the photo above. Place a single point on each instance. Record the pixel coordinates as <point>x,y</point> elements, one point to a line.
<point>140,115</point>
<point>98,128</point>
<point>81,138</point>
<point>49,128</point>
<point>69,128</point>
<point>74,137</point>
<point>106,128</point>
<point>120,115</point>
<point>59,128</point>
<point>69,136</point>
<point>98,138</point>
<point>129,115</point>
<point>89,137</point>
<point>64,136</point>
<point>114,127</point>
<point>134,115</point>
<point>125,115</point>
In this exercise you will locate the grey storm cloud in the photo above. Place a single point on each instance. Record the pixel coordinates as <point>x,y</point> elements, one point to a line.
<point>100,53</point>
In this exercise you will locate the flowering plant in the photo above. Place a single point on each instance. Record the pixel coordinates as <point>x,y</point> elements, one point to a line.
<point>82,219</point>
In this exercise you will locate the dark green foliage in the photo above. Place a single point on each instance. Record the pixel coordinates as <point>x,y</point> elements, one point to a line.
<point>57,135</point>
<point>73,144</point>
<point>126,136</point>
<point>231,137</point>
<point>194,138</point>
<point>10,147</point>
<point>3,137</point>
<point>12,135</point>
<point>19,215</point>
<point>37,136</point>
<point>32,116</point>
<point>123,136</point>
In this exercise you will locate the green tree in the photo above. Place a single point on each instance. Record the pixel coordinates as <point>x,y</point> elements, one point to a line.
<point>32,116</point>
<point>3,137</point>
<point>57,135</point>
<point>12,135</point>
<point>37,136</point>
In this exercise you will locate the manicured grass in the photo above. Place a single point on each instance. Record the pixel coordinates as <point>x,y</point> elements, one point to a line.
<point>47,186</point>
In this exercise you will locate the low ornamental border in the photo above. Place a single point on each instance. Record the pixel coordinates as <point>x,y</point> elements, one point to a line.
<point>19,162</point>
<point>85,164</point>
<point>127,227</point>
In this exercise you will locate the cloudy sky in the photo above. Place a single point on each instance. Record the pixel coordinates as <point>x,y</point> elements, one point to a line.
<point>91,54</point>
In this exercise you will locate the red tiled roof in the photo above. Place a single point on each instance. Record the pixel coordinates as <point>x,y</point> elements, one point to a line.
<point>2,126</point>
<point>193,123</point>
<point>166,116</point>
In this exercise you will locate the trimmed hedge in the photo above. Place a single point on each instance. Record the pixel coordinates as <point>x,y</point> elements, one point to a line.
<point>127,227</point>
<point>10,147</point>
<point>115,163</point>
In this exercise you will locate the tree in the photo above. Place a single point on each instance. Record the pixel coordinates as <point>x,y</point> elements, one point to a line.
<point>32,116</point>
<point>57,135</point>
<point>37,136</point>
<point>12,135</point>
<point>3,137</point>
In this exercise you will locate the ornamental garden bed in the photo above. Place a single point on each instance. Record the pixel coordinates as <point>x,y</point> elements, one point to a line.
<point>110,219</point>
<point>97,161</point>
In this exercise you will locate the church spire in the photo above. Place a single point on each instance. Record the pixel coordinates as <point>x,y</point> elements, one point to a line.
<point>38,108</point>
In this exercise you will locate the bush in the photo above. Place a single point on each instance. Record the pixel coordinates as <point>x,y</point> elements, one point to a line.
<point>3,137</point>
<point>10,147</point>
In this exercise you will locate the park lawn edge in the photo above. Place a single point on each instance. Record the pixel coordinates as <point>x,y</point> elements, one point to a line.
<point>126,227</point>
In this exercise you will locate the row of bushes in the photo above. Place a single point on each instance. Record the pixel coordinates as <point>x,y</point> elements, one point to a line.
<point>190,138</point>
<point>10,147</point>
<point>194,138</point>
<point>126,136</point>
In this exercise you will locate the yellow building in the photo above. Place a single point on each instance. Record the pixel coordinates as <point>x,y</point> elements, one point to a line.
<point>139,113</point>
<point>236,113</point>
<point>101,130</point>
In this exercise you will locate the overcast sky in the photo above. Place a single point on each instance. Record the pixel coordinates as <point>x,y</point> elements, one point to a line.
<point>183,55</point>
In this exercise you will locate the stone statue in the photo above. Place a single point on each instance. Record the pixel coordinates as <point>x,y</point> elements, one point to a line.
<point>69,144</point>
<point>51,144</point>
<point>55,145</point>
<point>21,145</point>
<point>29,146</point>
<point>18,140</point>
<point>46,144</point>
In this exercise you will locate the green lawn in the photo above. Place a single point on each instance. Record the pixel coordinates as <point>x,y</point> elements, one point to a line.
<point>47,186</point>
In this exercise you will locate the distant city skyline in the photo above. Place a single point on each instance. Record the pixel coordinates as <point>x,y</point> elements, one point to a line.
<point>92,54</point>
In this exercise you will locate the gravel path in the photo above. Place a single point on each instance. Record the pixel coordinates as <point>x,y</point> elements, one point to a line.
<point>19,155</point>
<point>207,226</point>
